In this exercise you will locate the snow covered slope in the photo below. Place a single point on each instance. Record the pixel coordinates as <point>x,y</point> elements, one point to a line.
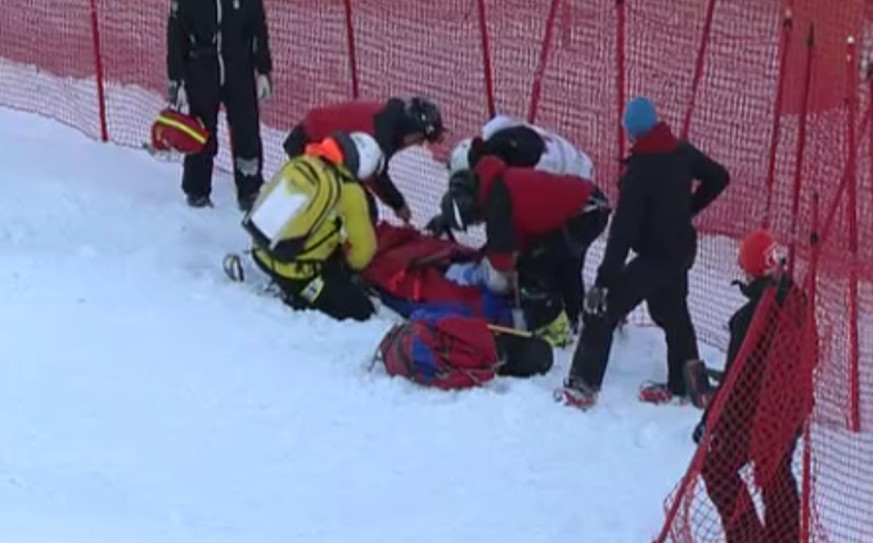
<point>143,398</point>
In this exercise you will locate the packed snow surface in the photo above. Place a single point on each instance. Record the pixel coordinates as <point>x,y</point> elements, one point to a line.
<point>144,398</point>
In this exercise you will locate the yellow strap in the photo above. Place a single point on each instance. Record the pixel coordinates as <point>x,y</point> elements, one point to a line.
<point>510,331</point>
<point>199,138</point>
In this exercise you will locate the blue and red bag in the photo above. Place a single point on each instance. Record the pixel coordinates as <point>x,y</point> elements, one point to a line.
<point>441,350</point>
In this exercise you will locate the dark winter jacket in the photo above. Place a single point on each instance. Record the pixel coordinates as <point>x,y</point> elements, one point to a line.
<point>198,30</point>
<point>517,146</point>
<point>656,204</point>
<point>519,205</point>
<point>385,121</point>
<point>741,406</point>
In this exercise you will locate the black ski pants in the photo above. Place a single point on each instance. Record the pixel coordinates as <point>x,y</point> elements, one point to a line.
<point>332,291</point>
<point>722,473</point>
<point>239,96</point>
<point>664,288</point>
<point>551,270</point>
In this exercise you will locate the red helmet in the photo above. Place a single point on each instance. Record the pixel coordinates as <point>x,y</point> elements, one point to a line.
<point>174,131</point>
<point>758,254</point>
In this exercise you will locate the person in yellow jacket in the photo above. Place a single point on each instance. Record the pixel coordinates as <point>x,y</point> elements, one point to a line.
<point>311,228</point>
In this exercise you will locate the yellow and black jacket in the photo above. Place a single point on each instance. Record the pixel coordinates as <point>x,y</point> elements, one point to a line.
<point>304,216</point>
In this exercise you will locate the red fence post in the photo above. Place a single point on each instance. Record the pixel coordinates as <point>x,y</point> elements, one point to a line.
<point>350,41</point>
<point>787,26</point>
<point>698,67</point>
<point>544,59</point>
<point>801,146</point>
<point>852,187</point>
<point>486,58</point>
<point>812,286</point>
<point>620,27</point>
<point>98,75</point>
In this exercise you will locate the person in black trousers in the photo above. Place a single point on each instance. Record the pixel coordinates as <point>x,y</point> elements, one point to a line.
<point>218,52</point>
<point>783,343</point>
<point>653,217</point>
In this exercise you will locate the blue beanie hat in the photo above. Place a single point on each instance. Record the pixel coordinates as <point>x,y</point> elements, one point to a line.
<point>639,117</point>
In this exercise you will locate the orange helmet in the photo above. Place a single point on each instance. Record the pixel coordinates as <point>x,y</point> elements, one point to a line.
<point>174,131</point>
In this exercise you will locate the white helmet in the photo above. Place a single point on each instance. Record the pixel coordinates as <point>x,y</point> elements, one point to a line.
<point>460,158</point>
<point>370,159</point>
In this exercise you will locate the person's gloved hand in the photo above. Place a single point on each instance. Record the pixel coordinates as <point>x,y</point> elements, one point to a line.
<point>595,301</point>
<point>264,85</point>
<point>404,214</point>
<point>437,225</point>
<point>177,96</point>
<point>699,430</point>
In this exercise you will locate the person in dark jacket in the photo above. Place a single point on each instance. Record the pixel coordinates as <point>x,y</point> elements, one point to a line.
<point>539,227</point>
<point>396,124</point>
<point>729,445</point>
<point>218,52</point>
<point>654,215</point>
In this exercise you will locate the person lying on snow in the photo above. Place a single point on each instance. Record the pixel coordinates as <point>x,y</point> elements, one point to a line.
<point>299,218</point>
<point>521,144</point>
<point>395,124</point>
<point>539,227</point>
<point>729,447</point>
<point>654,218</point>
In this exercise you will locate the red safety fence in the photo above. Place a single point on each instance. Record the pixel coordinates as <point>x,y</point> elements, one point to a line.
<point>771,88</point>
<point>745,461</point>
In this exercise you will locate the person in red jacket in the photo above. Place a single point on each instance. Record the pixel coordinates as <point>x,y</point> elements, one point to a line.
<point>396,124</point>
<point>538,225</point>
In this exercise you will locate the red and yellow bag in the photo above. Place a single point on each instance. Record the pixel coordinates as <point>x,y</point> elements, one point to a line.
<point>174,131</point>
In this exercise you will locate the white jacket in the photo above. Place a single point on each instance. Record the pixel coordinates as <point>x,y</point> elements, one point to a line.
<point>560,156</point>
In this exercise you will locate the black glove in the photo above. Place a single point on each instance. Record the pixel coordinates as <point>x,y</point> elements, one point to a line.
<point>595,301</point>
<point>699,430</point>
<point>437,225</point>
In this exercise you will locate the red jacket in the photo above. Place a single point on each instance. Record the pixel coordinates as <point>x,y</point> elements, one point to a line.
<point>322,122</point>
<point>385,121</point>
<point>521,204</point>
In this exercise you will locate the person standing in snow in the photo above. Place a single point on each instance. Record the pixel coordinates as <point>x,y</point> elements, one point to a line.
<point>522,145</point>
<point>653,217</point>
<point>218,52</point>
<point>396,124</point>
<point>729,446</point>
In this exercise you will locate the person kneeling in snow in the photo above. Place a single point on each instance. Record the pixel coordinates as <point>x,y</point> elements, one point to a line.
<point>522,145</point>
<point>539,227</point>
<point>298,220</point>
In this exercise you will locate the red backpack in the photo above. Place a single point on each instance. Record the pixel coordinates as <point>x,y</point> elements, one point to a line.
<point>441,350</point>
